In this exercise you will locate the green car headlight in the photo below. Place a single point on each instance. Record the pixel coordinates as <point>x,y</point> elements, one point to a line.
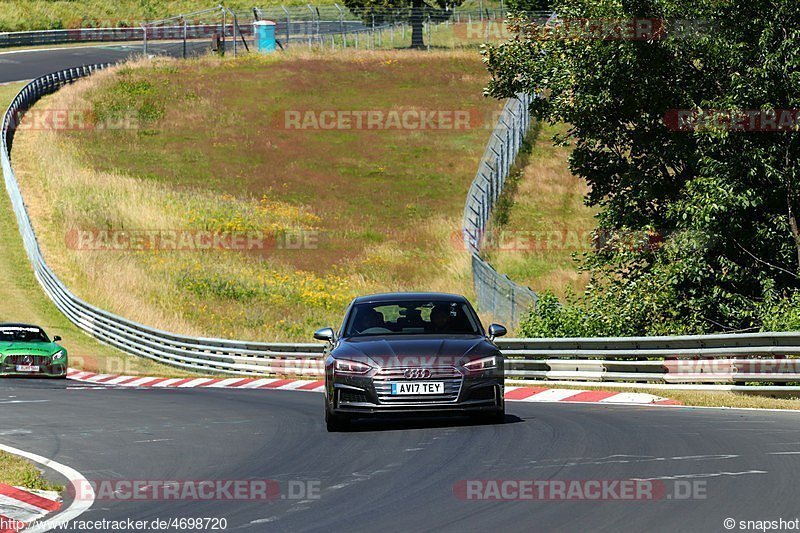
<point>59,355</point>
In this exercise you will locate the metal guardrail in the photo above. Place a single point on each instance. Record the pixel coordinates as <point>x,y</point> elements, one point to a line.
<point>734,359</point>
<point>702,362</point>
<point>496,293</point>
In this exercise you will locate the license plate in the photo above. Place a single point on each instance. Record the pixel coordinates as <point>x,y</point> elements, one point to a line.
<point>27,368</point>
<point>418,387</point>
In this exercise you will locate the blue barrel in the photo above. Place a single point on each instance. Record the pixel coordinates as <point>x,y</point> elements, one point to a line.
<point>264,31</point>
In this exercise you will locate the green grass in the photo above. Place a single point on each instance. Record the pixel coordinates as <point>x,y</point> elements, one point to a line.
<point>19,472</point>
<point>210,153</point>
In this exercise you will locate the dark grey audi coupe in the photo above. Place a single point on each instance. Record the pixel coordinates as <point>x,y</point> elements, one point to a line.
<point>411,353</point>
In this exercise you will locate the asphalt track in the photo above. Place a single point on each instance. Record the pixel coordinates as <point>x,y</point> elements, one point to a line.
<point>17,65</point>
<point>400,474</point>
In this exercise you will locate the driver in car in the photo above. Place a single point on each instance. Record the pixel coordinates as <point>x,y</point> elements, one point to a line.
<point>440,319</point>
<point>369,319</point>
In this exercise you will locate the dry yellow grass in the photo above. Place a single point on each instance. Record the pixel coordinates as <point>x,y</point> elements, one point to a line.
<point>549,220</point>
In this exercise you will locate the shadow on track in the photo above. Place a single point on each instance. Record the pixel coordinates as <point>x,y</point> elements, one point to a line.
<point>364,425</point>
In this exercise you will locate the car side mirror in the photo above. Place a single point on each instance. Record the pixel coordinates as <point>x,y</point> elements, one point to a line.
<point>56,338</point>
<point>325,334</point>
<point>496,330</point>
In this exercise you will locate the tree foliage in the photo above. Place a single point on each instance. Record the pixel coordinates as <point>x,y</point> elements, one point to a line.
<point>722,202</point>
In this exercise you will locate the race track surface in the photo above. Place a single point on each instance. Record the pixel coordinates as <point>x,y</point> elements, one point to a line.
<point>17,65</point>
<point>400,474</point>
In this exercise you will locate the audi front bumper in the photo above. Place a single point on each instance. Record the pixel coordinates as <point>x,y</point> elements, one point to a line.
<point>371,395</point>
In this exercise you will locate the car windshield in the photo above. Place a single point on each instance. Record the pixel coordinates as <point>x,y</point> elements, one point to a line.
<point>22,334</point>
<point>412,317</point>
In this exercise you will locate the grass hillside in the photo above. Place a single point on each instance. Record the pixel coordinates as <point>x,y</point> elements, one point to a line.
<point>541,222</point>
<point>380,207</point>
<point>24,301</point>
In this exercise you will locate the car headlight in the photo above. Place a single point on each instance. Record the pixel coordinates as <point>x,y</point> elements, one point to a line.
<point>479,365</point>
<point>59,355</point>
<point>346,366</point>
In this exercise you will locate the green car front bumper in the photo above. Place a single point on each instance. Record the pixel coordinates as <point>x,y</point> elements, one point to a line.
<point>33,366</point>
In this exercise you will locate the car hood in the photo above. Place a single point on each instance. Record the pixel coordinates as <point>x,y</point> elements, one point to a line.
<point>415,350</point>
<point>30,348</point>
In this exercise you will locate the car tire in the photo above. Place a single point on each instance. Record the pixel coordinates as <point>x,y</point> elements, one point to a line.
<point>334,423</point>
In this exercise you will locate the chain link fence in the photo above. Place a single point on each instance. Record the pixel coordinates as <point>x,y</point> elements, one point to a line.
<point>496,293</point>
<point>330,26</point>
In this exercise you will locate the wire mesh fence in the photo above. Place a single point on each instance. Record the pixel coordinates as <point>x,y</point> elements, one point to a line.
<point>497,294</point>
<point>222,29</point>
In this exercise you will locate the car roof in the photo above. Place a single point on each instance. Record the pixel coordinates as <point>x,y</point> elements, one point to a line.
<point>19,325</point>
<point>408,296</point>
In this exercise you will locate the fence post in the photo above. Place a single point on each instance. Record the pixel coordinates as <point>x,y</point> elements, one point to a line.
<point>184,36</point>
<point>429,31</point>
<point>288,24</point>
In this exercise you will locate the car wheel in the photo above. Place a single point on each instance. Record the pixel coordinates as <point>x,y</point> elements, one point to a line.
<point>335,423</point>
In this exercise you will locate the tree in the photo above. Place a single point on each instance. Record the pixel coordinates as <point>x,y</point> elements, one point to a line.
<point>527,6</point>
<point>661,126</point>
<point>415,11</point>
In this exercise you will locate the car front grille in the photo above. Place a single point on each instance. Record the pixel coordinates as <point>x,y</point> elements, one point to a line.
<point>449,375</point>
<point>37,360</point>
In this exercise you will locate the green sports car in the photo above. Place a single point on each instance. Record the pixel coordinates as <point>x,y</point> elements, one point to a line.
<point>26,350</point>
